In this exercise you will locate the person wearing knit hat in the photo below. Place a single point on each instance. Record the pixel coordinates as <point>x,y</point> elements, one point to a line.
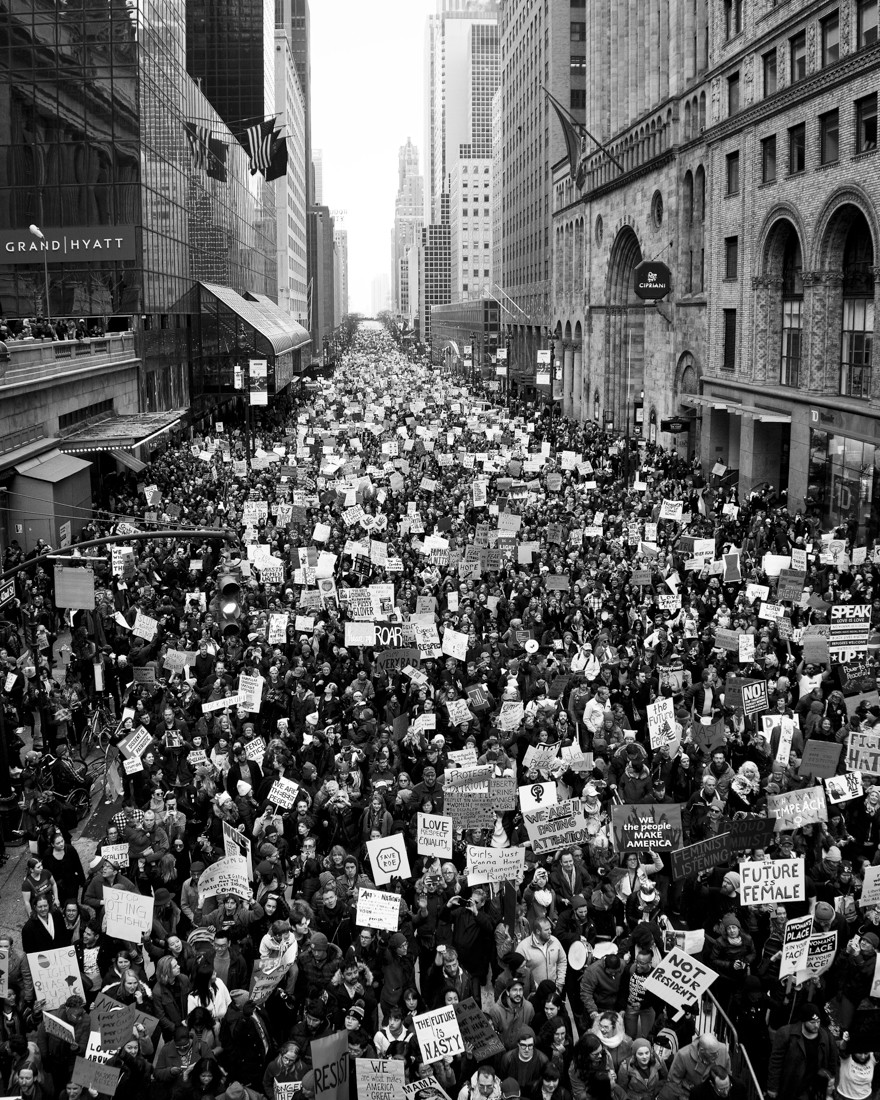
<point>823,913</point>
<point>731,883</point>
<point>510,1089</point>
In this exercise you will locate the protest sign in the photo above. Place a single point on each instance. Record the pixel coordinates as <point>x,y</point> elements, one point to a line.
<point>477,1031</point>
<point>748,833</point>
<point>795,945</point>
<point>843,788</point>
<point>221,704</point>
<point>425,1088</point>
<point>237,843</point>
<point>102,1078</point>
<point>56,975</point>
<point>378,909</point>
<point>330,1063</point>
<point>850,626</point>
<point>115,1023</point>
<point>540,757</point>
<point>434,836</point>
<point>774,882</point>
<point>863,753</point>
<point>502,789</point>
<point>820,956</point>
<point>117,854</point>
<point>61,1029</point>
<point>283,793</point>
<point>468,809</point>
<point>227,876</point>
<point>554,827</point>
<point>388,858</point>
<point>4,971</point>
<point>794,809</point>
<point>286,1090</point>
<point>820,758</point>
<point>105,1003</point>
<point>135,742</point>
<point>144,626</point>
<point>537,794</point>
<point>754,697</point>
<point>379,1078</point>
<point>650,826</point>
<point>700,856</point>
<point>661,721</point>
<point>871,887</point>
<point>250,692</point>
<point>128,914</point>
<point>494,864</point>
<point>679,979</point>
<point>438,1034</point>
<point>455,644</point>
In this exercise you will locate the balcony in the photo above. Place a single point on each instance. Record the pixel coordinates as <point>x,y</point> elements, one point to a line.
<point>37,362</point>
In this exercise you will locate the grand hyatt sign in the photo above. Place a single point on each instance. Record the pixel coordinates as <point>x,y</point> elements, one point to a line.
<point>71,244</point>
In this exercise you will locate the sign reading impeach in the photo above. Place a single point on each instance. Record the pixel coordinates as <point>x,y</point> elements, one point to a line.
<point>70,243</point>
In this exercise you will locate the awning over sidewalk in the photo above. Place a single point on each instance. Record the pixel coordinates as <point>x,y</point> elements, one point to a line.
<point>750,412</point>
<point>300,335</point>
<point>122,433</point>
<point>52,467</point>
<point>278,330</point>
<point>129,461</point>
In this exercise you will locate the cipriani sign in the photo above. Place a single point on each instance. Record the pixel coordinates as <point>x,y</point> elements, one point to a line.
<point>652,280</point>
<point>68,244</point>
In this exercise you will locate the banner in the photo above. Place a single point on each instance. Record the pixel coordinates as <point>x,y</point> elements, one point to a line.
<point>774,882</point>
<point>795,945</point>
<point>330,1063</point>
<point>377,909</point>
<point>554,827</point>
<point>494,864</point>
<point>679,979</point>
<point>794,809</point>
<point>850,627</point>
<point>379,1078</point>
<point>747,833</point>
<point>388,858</point>
<point>55,975</point>
<point>226,876</point>
<point>434,835</point>
<point>438,1034</point>
<point>650,826</point>
<point>128,914</point>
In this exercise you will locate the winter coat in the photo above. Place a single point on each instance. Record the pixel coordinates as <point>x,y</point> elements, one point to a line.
<point>546,961</point>
<point>507,1019</point>
<point>786,1075</point>
<point>687,1071</point>
<point>640,1085</point>
<point>600,986</point>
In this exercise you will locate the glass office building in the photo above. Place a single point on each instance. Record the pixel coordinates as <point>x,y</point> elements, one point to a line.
<point>94,148</point>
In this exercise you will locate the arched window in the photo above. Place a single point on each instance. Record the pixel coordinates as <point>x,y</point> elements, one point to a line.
<point>858,310</point>
<point>792,312</point>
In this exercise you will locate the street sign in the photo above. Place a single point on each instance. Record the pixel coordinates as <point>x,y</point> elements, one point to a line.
<point>7,592</point>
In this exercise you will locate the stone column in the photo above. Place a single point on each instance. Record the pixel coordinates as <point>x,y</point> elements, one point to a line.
<point>578,392</point>
<point>764,360</point>
<point>825,317</point>
<point>567,377</point>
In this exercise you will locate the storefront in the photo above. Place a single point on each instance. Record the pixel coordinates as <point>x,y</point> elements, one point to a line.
<point>844,471</point>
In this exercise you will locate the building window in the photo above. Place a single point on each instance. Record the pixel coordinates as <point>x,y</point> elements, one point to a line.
<point>855,354</point>
<point>729,361</point>
<point>733,173</point>
<point>829,137</point>
<point>866,123</point>
<point>733,94</point>
<point>867,22</point>
<point>578,3</point>
<point>790,360</point>
<point>768,159</point>
<point>578,32</point>
<point>731,257</point>
<point>578,99</point>
<point>769,72</point>
<point>733,15</point>
<point>578,65</point>
<point>797,149</point>
<point>798,51</point>
<point>831,39</point>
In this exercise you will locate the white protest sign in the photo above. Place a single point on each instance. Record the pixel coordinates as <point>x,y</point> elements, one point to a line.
<point>534,795</point>
<point>117,854</point>
<point>227,876</point>
<point>379,1078</point>
<point>388,858</point>
<point>843,788</point>
<point>820,956</point>
<point>377,909</point>
<point>128,914</point>
<point>661,722</point>
<point>283,793</point>
<point>434,835</point>
<point>455,644</point>
<point>871,887</point>
<point>438,1034</point>
<point>795,945</point>
<point>679,979</point>
<point>494,864</point>
<point>773,883</point>
<point>250,690</point>
<point>56,975</point>
<point>145,627</point>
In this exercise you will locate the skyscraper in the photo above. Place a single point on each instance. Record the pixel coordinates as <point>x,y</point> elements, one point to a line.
<point>408,222</point>
<point>318,163</point>
<point>300,41</point>
<point>291,195</point>
<point>340,241</point>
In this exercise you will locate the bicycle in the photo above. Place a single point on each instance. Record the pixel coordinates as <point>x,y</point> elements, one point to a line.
<point>98,731</point>
<point>78,798</point>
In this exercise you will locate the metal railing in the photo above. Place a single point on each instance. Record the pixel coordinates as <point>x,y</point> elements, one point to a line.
<point>713,1018</point>
<point>35,361</point>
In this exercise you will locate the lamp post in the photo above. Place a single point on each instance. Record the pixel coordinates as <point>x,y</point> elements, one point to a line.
<point>38,233</point>
<point>551,336</point>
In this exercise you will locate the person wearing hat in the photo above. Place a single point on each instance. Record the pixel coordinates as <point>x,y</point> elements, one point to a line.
<point>732,955</point>
<point>511,1011</point>
<point>247,1041</point>
<point>319,961</point>
<point>192,904</point>
<point>398,972</point>
<point>166,918</point>
<point>804,1060</point>
<point>642,1074</point>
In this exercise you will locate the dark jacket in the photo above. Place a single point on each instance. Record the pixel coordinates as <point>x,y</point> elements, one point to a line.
<point>169,1004</point>
<point>787,1073</point>
<point>36,937</point>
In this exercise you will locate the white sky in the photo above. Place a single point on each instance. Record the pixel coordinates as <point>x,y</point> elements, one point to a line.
<point>367,93</point>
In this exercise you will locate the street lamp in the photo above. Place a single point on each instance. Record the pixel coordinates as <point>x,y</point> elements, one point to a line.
<point>38,233</point>
<point>551,336</point>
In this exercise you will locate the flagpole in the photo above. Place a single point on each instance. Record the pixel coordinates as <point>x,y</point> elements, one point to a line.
<point>581,126</point>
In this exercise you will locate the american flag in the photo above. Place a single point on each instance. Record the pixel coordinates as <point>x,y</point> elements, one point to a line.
<point>260,139</point>
<point>198,137</point>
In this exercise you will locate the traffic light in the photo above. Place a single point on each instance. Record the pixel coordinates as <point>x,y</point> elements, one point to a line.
<point>227,604</point>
